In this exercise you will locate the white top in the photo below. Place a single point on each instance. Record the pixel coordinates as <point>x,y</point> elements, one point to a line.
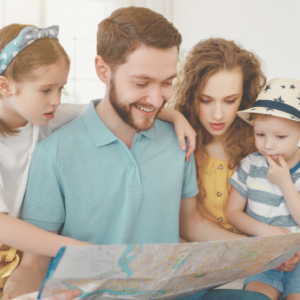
<point>16,153</point>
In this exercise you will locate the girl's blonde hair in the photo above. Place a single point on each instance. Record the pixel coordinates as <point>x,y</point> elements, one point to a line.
<point>41,53</point>
<point>205,59</point>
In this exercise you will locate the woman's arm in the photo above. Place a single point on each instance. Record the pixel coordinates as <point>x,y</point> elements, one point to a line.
<point>182,128</point>
<point>236,216</point>
<point>26,237</point>
<point>193,227</point>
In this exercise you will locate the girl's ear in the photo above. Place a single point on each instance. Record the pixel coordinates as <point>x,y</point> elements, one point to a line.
<point>5,86</point>
<point>102,69</point>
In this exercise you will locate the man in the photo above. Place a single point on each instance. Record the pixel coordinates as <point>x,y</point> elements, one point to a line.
<point>116,175</point>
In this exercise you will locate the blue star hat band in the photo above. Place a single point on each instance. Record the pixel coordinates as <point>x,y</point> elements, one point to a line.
<point>27,36</point>
<point>280,98</point>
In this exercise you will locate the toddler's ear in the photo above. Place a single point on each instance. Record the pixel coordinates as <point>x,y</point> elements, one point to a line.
<point>5,86</point>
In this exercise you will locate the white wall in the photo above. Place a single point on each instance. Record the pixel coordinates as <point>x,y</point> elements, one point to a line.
<point>270,28</point>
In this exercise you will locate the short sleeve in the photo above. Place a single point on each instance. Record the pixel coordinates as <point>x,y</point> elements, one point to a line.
<point>190,185</point>
<point>3,206</point>
<point>239,178</point>
<point>44,199</point>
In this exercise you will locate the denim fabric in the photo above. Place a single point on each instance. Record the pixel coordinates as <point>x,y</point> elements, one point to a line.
<point>284,282</point>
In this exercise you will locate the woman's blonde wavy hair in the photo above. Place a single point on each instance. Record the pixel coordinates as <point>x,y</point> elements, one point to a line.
<point>205,59</point>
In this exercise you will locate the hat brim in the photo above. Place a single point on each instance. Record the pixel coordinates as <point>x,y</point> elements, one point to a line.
<point>245,114</point>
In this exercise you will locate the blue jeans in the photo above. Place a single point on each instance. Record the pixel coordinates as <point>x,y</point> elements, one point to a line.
<point>224,294</point>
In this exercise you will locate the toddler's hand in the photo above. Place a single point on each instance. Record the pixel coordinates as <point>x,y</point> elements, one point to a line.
<point>273,230</point>
<point>279,173</point>
<point>184,130</point>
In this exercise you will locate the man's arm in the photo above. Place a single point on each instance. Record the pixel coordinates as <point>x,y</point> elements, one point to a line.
<point>194,227</point>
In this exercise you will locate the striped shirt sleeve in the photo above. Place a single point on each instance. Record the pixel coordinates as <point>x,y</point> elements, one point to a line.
<point>239,178</point>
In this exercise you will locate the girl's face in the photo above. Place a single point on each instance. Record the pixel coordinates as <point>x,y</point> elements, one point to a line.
<point>220,100</point>
<point>36,101</point>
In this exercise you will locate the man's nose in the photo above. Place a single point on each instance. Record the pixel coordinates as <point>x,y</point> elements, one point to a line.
<point>156,97</point>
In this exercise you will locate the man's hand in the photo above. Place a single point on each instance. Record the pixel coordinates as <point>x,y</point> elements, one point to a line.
<point>289,265</point>
<point>279,172</point>
<point>68,295</point>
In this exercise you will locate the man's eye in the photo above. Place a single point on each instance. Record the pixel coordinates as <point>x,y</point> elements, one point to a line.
<point>140,84</point>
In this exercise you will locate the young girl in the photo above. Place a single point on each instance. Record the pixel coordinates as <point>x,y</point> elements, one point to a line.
<point>33,71</point>
<point>217,79</point>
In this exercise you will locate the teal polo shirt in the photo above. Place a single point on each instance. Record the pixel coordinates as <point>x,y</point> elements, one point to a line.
<point>86,183</point>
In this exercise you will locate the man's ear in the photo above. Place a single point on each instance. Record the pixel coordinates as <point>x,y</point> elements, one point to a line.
<point>5,86</point>
<point>102,69</point>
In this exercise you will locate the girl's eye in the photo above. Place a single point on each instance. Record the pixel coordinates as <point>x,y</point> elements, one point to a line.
<point>168,83</point>
<point>281,136</point>
<point>205,101</point>
<point>259,134</point>
<point>46,91</point>
<point>62,88</point>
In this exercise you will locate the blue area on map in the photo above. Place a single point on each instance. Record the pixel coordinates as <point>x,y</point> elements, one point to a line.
<point>179,264</point>
<point>124,261</point>
<point>132,291</point>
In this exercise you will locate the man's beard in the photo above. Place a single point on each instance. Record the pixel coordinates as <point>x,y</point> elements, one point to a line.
<point>125,110</point>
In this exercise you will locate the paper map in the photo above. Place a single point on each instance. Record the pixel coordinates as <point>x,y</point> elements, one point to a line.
<point>164,271</point>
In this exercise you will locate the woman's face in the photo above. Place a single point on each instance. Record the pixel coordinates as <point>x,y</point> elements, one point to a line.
<point>220,100</point>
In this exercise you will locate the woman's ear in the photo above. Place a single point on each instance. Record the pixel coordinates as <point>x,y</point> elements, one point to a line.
<point>102,69</point>
<point>5,86</point>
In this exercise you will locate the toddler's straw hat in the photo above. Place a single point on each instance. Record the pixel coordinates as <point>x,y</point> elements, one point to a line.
<point>280,98</point>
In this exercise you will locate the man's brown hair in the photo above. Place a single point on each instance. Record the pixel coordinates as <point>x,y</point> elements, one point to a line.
<point>131,27</point>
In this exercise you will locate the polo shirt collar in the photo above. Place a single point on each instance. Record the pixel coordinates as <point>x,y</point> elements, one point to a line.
<point>149,133</point>
<point>99,132</point>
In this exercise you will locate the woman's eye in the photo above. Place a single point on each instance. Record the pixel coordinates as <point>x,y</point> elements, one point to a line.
<point>230,101</point>
<point>259,134</point>
<point>46,91</point>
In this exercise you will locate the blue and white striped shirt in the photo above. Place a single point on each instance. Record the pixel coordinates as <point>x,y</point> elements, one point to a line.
<point>265,200</point>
